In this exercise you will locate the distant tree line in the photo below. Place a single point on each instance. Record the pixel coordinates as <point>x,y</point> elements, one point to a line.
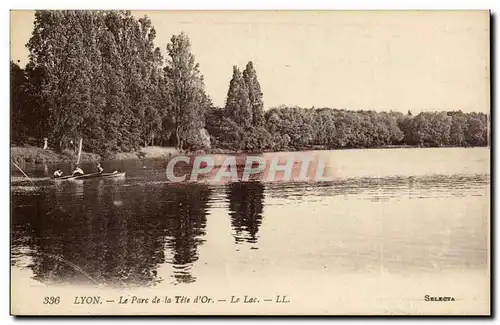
<point>296,128</point>
<point>97,75</point>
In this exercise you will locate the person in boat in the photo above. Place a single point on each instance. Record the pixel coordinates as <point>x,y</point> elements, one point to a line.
<point>78,171</point>
<point>58,173</point>
<point>99,168</point>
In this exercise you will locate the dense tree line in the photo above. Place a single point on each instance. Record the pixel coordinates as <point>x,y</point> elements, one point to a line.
<point>97,75</point>
<point>295,128</point>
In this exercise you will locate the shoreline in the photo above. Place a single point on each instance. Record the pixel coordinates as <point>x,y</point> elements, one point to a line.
<point>39,156</point>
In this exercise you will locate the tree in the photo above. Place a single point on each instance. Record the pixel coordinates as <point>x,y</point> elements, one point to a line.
<point>58,49</point>
<point>152,103</point>
<point>98,75</point>
<point>187,94</point>
<point>476,134</point>
<point>238,105</point>
<point>113,72</point>
<point>458,128</point>
<point>243,121</point>
<point>430,129</point>
<point>19,110</point>
<point>254,94</point>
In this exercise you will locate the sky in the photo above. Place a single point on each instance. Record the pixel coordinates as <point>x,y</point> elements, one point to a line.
<point>380,60</point>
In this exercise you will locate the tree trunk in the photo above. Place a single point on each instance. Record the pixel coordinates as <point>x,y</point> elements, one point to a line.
<point>178,138</point>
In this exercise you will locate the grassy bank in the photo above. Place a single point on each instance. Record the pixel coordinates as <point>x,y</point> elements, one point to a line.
<point>36,155</point>
<point>147,152</point>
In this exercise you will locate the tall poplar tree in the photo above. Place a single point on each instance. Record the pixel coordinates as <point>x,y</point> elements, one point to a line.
<point>238,105</point>
<point>186,93</point>
<point>112,70</point>
<point>254,94</point>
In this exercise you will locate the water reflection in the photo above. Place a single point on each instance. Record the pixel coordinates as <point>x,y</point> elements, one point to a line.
<point>100,233</point>
<point>246,207</point>
<point>185,221</point>
<point>125,232</point>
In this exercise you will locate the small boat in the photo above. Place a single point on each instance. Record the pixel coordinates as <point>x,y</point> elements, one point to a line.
<point>85,176</point>
<point>62,178</point>
<point>90,176</point>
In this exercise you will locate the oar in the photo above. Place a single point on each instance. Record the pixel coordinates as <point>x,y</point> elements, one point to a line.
<point>76,267</point>
<point>23,173</point>
<point>79,151</point>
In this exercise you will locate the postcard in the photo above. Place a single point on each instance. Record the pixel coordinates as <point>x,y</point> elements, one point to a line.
<point>250,162</point>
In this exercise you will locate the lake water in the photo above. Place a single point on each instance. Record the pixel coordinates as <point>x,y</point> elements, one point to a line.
<point>392,223</point>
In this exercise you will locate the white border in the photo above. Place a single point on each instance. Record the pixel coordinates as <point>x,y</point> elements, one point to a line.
<point>259,4</point>
<point>493,5</point>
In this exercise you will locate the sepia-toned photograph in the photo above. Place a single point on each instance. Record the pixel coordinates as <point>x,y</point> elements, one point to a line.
<point>250,162</point>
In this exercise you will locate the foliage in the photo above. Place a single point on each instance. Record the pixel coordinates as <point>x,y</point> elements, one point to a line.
<point>254,94</point>
<point>240,125</point>
<point>186,93</point>
<point>295,128</point>
<point>97,75</point>
<point>238,106</point>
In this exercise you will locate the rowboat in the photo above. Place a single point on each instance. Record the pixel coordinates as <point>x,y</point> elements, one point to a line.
<point>90,176</point>
<point>85,176</point>
<point>62,178</point>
